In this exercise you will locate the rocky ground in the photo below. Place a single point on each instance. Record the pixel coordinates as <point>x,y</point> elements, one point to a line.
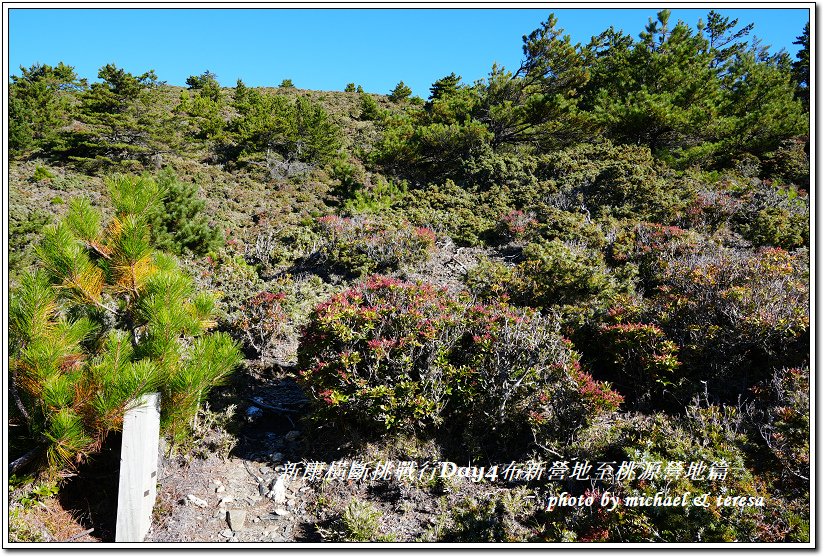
<point>263,491</point>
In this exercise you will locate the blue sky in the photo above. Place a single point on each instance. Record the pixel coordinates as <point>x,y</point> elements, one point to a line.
<point>326,49</point>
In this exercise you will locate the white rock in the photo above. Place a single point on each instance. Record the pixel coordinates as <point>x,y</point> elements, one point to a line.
<point>282,512</point>
<point>197,501</point>
<point>278,493</point>
<point>236,519</point>
<point>220,489</point>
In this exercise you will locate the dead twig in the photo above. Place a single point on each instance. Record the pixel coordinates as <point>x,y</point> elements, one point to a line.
<point>80,535</point>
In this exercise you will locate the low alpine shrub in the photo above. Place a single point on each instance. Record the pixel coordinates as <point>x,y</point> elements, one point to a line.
<point>388,355</point>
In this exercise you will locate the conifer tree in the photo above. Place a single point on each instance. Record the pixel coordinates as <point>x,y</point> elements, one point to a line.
<point>280,133</point>
<point>104,320</point>
<point>40,105</point>
<point>124,121</point>
<point>400,93</point>
<point>179,224</point>
<point>203,103</point>
<point>801,67</point>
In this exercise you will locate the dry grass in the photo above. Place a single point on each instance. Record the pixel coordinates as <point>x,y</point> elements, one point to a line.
<point>46,521</point>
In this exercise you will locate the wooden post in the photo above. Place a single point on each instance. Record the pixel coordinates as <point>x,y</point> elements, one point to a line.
<point>138,470</point>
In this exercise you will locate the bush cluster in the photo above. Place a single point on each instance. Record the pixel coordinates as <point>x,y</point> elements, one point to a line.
<point>398,356</point>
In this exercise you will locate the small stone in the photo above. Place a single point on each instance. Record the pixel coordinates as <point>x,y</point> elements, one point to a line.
<point>263,489</point>
<point>227,499</point>
<point>256,519</point>
<point>292,435</point>
<point>220,489</point>
<point>236,519</point>
<point>227,533</point>
<point>305,489</point>
<point>282,512</point>
<point>197,501</point>
<point>290,503</point>
<point>265,470</point>
<point>278,493</point>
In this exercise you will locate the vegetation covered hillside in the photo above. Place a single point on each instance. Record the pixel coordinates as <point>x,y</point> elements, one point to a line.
<point>597,261</point>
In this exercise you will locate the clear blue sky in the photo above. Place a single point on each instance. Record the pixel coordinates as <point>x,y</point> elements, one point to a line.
<point>326,49</point>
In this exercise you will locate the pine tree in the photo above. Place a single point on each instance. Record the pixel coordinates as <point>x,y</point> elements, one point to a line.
<point>762,103</point>
<point>204,105</point>
<point>124,122</point>
<point>662,91</point>
<point>104,320</point>
<point>801,67</point>
<point>179,224</point>
<point>723,41</point>
<point>400,93</point>
<point>282,134</point>
<point>40,105</point>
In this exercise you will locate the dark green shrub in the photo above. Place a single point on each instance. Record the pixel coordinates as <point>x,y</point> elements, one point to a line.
<point>516,171</point>
<point>774,216</point>
<point>368,107</point>
<point>179,224</point>
<point>622,181</point>
<point>377,197</point>
<point>555,273</point>
<point>790,162</point>
<point>360,245</point>
<point>567,225</point>
<point>288,137</point>
<point>451,210</point>
<point>400,93</point>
